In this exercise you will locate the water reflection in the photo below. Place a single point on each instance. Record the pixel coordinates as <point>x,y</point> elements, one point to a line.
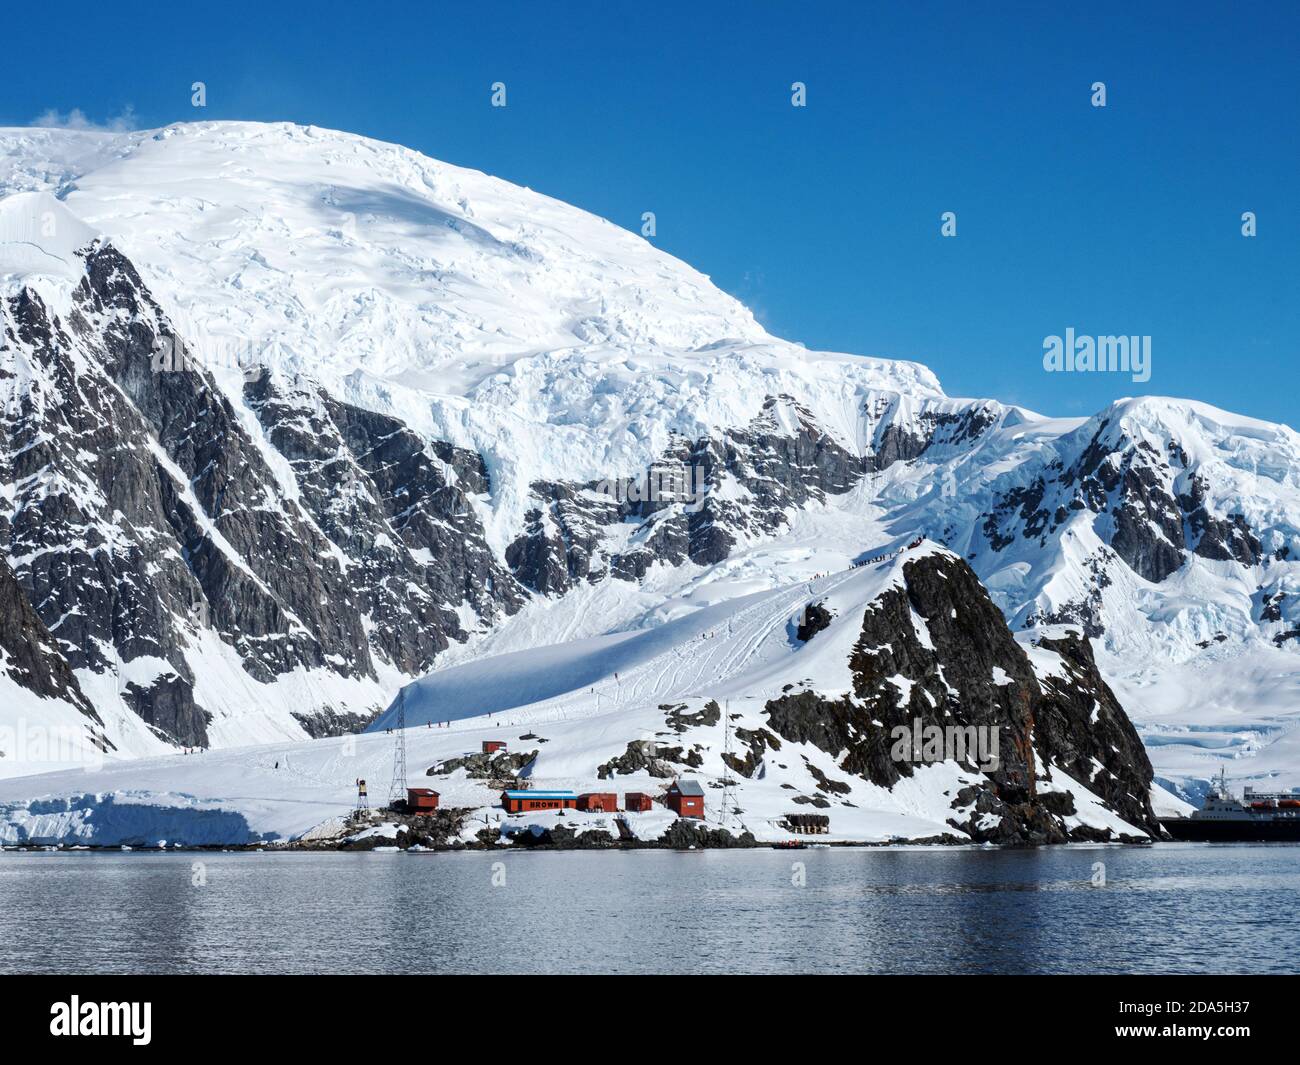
<point>1176,908</point>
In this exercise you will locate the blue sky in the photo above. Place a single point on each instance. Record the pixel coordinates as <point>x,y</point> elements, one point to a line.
<point>824,219</point>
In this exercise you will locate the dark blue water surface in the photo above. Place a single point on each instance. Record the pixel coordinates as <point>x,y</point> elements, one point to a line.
<point>1167,908</point>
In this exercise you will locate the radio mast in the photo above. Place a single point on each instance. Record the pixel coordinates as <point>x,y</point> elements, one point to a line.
<point>728,799</point>
<point>397,790</point>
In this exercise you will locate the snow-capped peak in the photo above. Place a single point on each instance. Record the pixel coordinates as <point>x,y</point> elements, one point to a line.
<point>316,237</point>
<point>39,237</point>
<point>552,341</point>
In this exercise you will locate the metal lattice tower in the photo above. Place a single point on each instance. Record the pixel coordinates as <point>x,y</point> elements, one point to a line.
<point>728,799</point>
<point>397,789</point>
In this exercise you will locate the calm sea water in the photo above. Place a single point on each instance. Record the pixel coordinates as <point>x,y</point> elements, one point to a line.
<point>1169,908</point>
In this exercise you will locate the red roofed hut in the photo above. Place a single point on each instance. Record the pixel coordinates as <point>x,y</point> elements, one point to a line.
<point>421,800</point>
<point>686,798</point>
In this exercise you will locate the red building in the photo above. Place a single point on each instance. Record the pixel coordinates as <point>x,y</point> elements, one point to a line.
<point>492,746</point>
<point>520,802</point>
<point>637,802</point>
<point>421,800</point>
<point>686,798</point>
<point>599,801</point>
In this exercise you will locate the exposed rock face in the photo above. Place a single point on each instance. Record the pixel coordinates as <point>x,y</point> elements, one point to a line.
<point>562,837</point>
<point>1155,523</point>
<point>929,433</point>
<point>937,652</point>
<point>781,460</point>
<point>90,533</point>
<point>815,618</point>
<point>167,706</point>
<point>330,722</point>
<point>148,514</point>
<point>684,834</point>
<point>273,552</point>
<point>1081,727</point>
<point>654,758</point>
<point>561,538</point>
<point>440,830</point>
<point>680,719</point>
<point>1087,611</point>
<point>290,603</point>
<point>398,509</point>
<point>31,658</point>
<point>1222,539</point>
<point>500,765</point>
<point>757,743</point>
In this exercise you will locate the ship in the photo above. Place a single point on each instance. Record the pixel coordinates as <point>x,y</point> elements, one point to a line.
<point>1257,817</point>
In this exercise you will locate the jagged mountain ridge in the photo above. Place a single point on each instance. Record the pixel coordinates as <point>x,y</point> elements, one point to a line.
<point>147,518</point>
<point>540,353</point>
<point>45,717</point>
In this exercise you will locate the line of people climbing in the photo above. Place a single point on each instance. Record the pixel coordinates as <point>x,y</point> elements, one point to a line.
<point>892,554</point>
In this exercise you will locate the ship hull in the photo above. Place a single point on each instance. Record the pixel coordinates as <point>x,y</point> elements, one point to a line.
<point>1253,831</point>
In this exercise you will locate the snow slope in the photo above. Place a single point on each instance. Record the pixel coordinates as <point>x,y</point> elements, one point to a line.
<point>552,341</point>
<point>742,647</point>
<point>40,735</point>
<point>578,705</point>
<point>40,237</point>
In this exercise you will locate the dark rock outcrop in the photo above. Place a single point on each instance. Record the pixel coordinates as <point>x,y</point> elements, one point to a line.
<point>654,758</point>
<point>148,514</point>
<point>1155,526</point>
<point>963,669</point>
<point>684,834</point>
<point>780,460</point>
<point>500,765</point>
<point>680,719</point>
<point>815,618</point>
<point>1081,728</point>
<point>30,656</point>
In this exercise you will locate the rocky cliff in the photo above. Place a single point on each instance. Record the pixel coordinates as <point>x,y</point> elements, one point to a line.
<point>935,655</point>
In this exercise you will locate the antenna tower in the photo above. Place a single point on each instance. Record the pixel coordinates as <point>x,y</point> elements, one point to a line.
<point>728,799</point>
<point>397,790</point>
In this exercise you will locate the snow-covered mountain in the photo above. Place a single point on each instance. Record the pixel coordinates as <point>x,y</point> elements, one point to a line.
<point>822,697</point>
<point>292,418</point>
